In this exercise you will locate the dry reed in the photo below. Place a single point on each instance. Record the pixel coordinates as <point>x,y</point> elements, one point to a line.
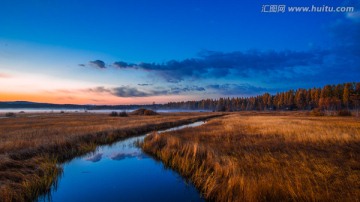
<point>267,157</point>
<point>31,145</point>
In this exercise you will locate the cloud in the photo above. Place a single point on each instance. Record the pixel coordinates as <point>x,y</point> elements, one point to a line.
<point>179,90</point>
<point>98,64</point>
<point>126,91</point>
<point>237,89</point>
<point>122,64</point>
<point>144,84</point>
<point>223,89</point>
<point>129,91</point>
<point>99,89</point>
<point>81,65</point>
<point>210,64</point>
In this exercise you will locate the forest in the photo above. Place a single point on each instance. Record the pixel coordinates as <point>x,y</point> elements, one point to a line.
<point>344,96</point>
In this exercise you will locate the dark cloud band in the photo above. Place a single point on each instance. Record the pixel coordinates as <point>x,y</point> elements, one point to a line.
<point>211,64</point>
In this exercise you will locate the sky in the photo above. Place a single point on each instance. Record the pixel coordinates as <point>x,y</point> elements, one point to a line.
<point>140,51</point>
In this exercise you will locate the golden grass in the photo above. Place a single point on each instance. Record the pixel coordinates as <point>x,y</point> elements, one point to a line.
<point>31,145</point>
<point>267,157</point>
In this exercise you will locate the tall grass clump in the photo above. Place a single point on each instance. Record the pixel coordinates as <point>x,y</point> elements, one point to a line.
<point>10,114</point>
<point>120,114</point>
<point>25,180</point>
<point>114,113</point>
<point>123,114</point>
<point>146,112</point>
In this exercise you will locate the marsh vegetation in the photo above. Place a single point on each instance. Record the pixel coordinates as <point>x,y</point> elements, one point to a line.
<point>32,145</point>
<point>266,157</point>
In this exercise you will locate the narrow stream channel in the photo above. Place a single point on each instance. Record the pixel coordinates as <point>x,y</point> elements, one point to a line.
<point>121,172</point>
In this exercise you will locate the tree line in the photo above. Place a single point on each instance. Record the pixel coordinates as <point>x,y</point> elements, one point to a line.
<point>330,97</point>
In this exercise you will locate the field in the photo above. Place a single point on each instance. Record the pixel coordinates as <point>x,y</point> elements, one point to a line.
<point>266,157</point>
<point>31,145</point>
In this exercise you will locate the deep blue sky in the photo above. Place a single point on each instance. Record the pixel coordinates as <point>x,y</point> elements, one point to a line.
<point>233,47</point>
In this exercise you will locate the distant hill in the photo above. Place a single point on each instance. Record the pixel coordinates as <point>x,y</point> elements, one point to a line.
<point>25,104</point>
<point>36,105</point>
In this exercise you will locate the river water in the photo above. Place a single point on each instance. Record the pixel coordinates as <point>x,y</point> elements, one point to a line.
<point>121,172</point>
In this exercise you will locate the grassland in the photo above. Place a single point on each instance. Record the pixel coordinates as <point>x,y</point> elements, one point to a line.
<point>266,157</point>
<point>32,145</point>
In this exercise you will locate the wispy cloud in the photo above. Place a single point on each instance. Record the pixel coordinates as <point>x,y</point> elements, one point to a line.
<point>126,91</point>
<point>99,89</point>
<point>237,89</point>
<point>144,84</point>
<point>129,91</point>
<point>178,90</point>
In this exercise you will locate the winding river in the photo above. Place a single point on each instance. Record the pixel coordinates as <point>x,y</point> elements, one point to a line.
<point>121,172</point>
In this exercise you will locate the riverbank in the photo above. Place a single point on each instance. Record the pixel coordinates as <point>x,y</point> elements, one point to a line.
<point>31,146</point>
<point>121,172</point>
<point>266,157</point>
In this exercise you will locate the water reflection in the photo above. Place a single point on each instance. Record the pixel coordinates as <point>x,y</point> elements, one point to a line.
<point>121,156</point>
<point>95,158</point>
<point>121,172</point>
